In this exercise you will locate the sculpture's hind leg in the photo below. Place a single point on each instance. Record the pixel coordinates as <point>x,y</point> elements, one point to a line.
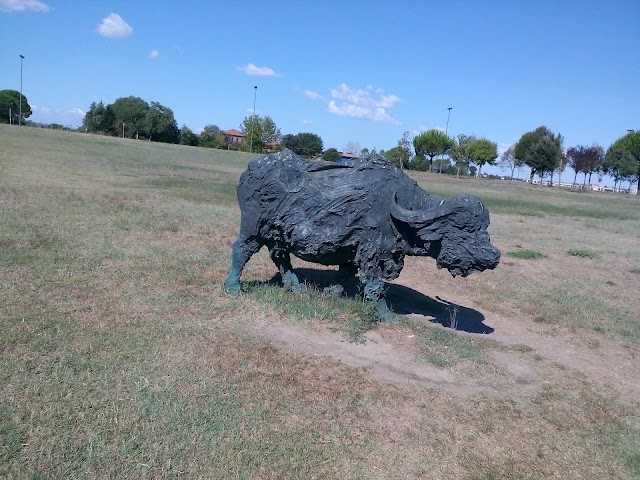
<point>282,260</point>
<point>374,292</point>
<point>242,251</point>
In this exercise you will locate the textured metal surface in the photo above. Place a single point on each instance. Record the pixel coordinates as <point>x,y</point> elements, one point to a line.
<point>365,216</point>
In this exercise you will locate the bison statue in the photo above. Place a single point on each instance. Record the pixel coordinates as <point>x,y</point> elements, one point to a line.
<point>363,215</point>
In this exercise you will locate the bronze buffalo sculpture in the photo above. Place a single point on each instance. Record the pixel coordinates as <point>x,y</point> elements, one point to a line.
<point>363,215</point>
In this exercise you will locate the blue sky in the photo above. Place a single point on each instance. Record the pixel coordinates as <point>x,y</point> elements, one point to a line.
<point>349,71</point>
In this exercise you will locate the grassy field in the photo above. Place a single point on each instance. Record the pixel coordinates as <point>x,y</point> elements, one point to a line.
<point>122,357</point>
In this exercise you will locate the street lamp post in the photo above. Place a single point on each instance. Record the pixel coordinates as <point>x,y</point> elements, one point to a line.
<point>122,129</point>
<point>253,119</point>
<point>446,132</point>
<point>20,117</point>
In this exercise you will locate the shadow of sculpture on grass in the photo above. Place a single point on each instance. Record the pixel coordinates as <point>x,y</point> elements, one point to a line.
<point>402,300</point>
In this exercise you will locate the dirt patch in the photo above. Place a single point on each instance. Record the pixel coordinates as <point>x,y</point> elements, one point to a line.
<point>527,355</point>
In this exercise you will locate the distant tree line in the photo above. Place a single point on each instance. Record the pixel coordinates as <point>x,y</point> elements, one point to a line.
<point>132,117</point>
<point>543,152</point>
<point>541,149</point>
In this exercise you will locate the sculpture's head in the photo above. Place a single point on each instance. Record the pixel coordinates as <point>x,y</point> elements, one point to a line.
<point>455,233</point>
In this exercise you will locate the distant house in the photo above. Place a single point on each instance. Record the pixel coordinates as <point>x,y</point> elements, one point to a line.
<point>345,156</point>
<point>271,147</point>
<point>234,136</point>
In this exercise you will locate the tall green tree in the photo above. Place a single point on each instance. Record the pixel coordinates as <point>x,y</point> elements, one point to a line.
<point>331,155</point>
<point>630,143</point>
<point>160,124</point>
<point>541,150</point>
<point>432,143</point>
<point>460,154</point>
<point>396,155</point>
<point>10,101</point>
<point>620,164</point>
<point>259,131</point>
<point>99,119</point>
<point>304,144</point>
<point>483,152</point>
<point>401,154</point>
<point>188,137</point>
<point>132,111</point>
<point>212,137</point>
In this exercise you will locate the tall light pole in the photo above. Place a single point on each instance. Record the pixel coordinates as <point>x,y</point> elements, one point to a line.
<point>20,117</point>
<point>253,119</point>
<point>446,133</point>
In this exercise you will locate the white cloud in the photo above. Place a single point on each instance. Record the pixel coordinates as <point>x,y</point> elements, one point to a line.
<point>423,128</point>
<point>355,111</point>
<point>312,95</point>
<point>364,98</point>
<point>153,54</point>
<point>64,116</point>
<point>371,103</point>
<point>37,108</point>
<point>23,5</point>
<point>114,26</point>
<point>503,147</point>
<point>251,69</point>
<point>307,122</point>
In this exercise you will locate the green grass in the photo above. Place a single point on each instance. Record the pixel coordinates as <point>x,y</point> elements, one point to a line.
<point>120,356</point>
<point>352,318</point>
<point>522,199</point>
<point>526,254</point>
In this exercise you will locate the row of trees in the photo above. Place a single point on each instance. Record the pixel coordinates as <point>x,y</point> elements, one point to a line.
<point>464,154</point>
<point>543,152</point>
<point>132,117</point>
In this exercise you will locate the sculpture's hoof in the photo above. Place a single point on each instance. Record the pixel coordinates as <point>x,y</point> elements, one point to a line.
<point>232,288</point>
<point>291,283</point>
<point>384,313</point>
<point>334,291</point>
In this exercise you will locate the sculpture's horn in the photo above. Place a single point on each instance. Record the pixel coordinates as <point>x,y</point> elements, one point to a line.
<point>417,217</point>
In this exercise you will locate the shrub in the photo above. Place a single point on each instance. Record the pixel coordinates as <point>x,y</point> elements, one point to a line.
<point>526,254</point>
